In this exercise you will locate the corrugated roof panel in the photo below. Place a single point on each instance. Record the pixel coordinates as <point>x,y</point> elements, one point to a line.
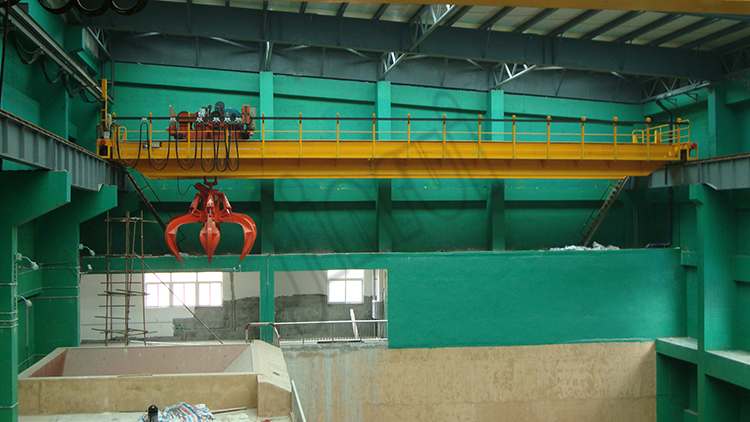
<point>319,8</point>
<point>726,40</point>
<point>669,28</point>
<point>557,18</point>
<point>400,12</point>
<point>361,10</point>
<point>515,18</point>
<point>707,30</point>
<point>631,25</point>
<point>476,16</point>
<point>594,22</point>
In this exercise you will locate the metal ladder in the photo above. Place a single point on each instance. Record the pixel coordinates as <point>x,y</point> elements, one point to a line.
<point>596,217</point>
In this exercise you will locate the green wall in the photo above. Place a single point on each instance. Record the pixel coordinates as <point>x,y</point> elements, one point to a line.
<point>499,298</point>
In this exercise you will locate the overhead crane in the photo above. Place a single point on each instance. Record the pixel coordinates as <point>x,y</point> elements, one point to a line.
<point>221,142</point>
<point>193,146</point>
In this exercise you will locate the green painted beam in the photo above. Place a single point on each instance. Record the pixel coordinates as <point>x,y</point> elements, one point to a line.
<point>186,78</point>
<point>684,349</point>
<point>325,190</point>
<point>440,99</point>
<point>731,366</point>
<point>737,93</point>
<point>30,194</point>
<point>689,258</point>
<point>325,89</point>
<point>677,103</point>
<point>575,109</point>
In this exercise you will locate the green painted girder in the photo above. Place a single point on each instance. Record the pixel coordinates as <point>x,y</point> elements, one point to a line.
<point>732,366</point>
<point>683,348</point>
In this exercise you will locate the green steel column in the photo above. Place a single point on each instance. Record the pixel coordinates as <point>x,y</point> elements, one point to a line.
<point>57,239</point>
<point>267,299</point>
<point>496,205</point>
<point>267,246</point>
<point>495,110</point>
<point>8,325</point>
<point>267,242</point>
<point>383,109</point>
<point>55,112</point>
<point>27,195</point>
<point>723,135</point>
<point>385,219</point>
<point>266,102</point>
<point>716,233</point>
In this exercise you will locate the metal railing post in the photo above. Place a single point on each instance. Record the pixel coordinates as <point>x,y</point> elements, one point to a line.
<point>443,136</point>
<point>408,136</point>
<point>263,134</point>
<point>479,137</point>
<point>583,122</point>
<point>614,129</point>
<point>514,135</point>
<point>548,137</point>
<point>373,135</point>
<point>337,135</point>
<point>300,135</point>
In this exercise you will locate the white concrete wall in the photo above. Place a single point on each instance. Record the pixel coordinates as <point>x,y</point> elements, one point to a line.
<point>158,320</point>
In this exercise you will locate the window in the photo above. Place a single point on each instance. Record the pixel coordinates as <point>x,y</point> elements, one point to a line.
<point>201,289</point>
<point>346,286</point>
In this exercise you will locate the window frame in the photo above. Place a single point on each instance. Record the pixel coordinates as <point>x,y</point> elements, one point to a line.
<point>165,281</point>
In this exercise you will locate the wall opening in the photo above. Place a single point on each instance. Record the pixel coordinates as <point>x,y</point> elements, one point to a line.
<point>334,305</point>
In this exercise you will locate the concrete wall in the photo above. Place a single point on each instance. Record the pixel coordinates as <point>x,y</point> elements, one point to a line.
<point>230,318</point>
<point>569,382</point>
<point>300,296</point>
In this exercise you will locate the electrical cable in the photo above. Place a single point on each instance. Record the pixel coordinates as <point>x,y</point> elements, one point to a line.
<point>186,190</point>
<point>177,148</point>
<point>203,161</point>
<point>57,10</point>
<point>140,147</point>
<point>95,11</point>
<point>236,149</point>
<point>151,159</point>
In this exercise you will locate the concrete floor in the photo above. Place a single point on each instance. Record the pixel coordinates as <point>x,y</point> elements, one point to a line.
<point>249,415</point>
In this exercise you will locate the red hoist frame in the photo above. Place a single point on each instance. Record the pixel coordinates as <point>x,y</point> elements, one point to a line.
<point>210,207</point>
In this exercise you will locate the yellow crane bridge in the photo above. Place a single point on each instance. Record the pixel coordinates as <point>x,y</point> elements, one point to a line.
<point>337,147</point>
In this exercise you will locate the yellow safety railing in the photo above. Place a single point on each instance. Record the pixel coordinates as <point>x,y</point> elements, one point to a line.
<point>547,131</point>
